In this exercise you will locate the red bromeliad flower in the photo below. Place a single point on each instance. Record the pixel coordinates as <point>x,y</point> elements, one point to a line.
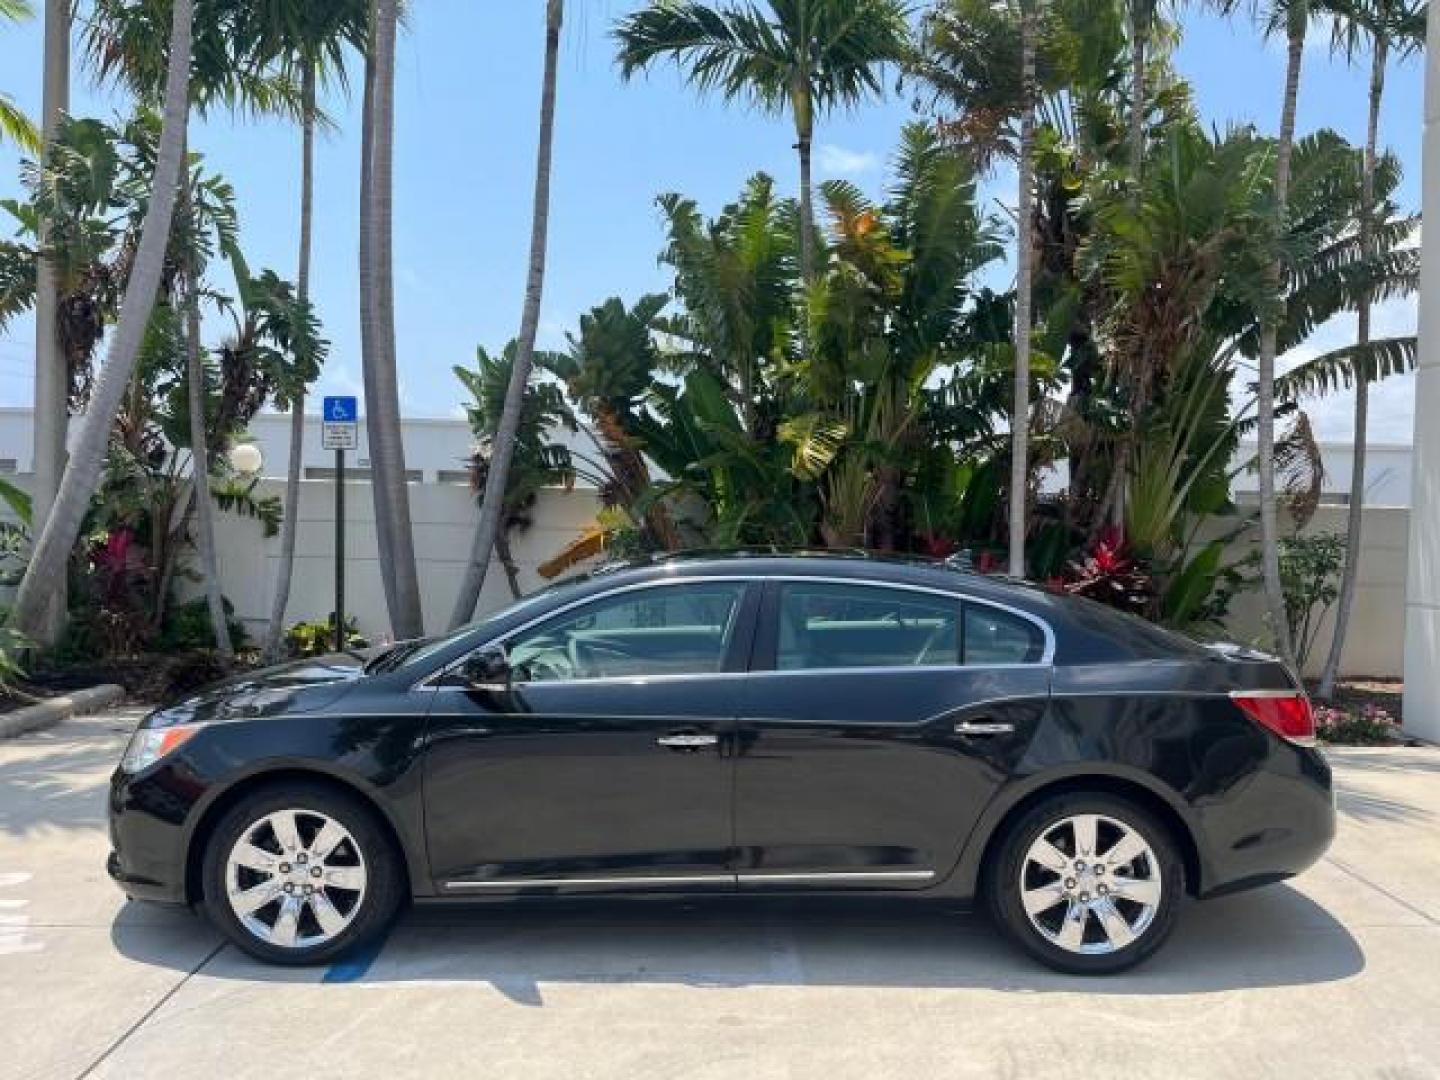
<point>937,546</point>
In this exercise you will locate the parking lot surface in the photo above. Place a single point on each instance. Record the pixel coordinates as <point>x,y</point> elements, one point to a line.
<point>1336,974</point>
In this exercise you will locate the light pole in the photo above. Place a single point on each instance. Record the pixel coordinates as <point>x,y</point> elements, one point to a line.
<point>1422,583</point>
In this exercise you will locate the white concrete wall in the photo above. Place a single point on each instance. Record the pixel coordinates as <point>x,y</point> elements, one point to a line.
<point>443,517</point>
<point>1375,643</point>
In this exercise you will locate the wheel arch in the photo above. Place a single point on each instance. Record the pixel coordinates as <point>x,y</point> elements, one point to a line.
<point>217,807</point>
<point>980,851</point>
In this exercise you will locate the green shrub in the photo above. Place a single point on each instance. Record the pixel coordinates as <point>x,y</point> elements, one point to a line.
<point>316,638</point>
<point>187,627</point>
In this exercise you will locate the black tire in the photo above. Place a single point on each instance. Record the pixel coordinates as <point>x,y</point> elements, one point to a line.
<point>385,886</point>
<point>1003,883</point>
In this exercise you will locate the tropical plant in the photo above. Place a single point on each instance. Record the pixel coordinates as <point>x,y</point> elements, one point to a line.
<point>492,505</point>
<point>14,124</point>
<point>1310,565</point>
<point>82,474</point>
<point>1380,25</point>
<point>537,461</point>
<point>1292,16</point>
<point>377,326</point>
<point>804,56</point>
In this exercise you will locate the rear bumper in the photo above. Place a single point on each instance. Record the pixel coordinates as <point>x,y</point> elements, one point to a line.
<point>1278,823</point>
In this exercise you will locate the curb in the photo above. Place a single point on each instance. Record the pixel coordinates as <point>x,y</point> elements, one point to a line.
<point>52,711</point>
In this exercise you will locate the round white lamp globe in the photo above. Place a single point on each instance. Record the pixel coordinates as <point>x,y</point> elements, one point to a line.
<point>246,459</point>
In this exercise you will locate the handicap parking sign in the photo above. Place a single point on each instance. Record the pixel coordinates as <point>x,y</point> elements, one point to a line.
<point>339,422</point>
<point>341,410</point>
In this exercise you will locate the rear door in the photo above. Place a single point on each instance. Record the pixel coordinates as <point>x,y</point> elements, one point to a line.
<point>878,721</point>
<point>604,766</point>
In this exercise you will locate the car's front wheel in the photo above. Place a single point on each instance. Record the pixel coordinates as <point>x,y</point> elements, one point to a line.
<point>1088,884</point>
<point>299,873</point>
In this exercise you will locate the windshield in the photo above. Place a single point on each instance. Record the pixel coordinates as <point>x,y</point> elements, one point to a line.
<point>411,654</point>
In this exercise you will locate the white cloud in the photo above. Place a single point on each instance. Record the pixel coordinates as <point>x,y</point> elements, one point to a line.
<point>838,160</point>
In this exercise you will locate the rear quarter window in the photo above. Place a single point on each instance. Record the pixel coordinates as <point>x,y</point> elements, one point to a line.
<point>993,636</point>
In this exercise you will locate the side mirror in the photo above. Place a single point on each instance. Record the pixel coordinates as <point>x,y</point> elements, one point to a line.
<point>488,670</point>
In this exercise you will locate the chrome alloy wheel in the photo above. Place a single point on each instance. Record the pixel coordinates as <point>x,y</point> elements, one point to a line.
<point>295,878</point>
<point>1090,884</point>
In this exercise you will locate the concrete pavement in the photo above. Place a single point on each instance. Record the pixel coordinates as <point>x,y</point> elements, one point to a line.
<point>1336,974</point>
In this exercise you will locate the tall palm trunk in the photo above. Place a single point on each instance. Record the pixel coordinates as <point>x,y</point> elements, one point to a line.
<point>52,370</point>
<point>507,562</point>
<point>82,473</point>
<point>1265,397</point>
<point>290,525</point>
<point>200,466</point>
<point>1139,15</point>
<point>1020,421</point>
<point>387,450</point>
<point>368,362</point>
<point>800,102</point>
<point>492,506</point>
<point>1356,516</point>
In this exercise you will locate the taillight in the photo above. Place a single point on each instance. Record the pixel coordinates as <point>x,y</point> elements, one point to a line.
<point>1285,712</point>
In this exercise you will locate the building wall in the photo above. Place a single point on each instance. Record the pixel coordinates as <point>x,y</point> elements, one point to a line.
<point>1375,643</point>
<point>443,517</point>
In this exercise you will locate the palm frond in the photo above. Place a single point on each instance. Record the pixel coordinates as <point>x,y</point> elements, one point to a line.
<point>1373,361</point>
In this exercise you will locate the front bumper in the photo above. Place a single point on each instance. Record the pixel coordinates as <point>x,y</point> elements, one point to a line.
<point>148,815</point>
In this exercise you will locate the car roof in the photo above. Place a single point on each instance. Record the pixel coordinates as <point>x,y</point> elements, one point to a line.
<point>844,563</point>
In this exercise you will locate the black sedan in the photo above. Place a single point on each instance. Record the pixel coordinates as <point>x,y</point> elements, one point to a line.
<point>744,724</point>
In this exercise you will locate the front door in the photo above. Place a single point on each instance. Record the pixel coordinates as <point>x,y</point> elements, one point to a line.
<point>875,728</point>
<point>605,765</point>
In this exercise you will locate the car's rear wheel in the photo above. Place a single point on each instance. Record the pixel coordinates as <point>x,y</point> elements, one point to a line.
<point>1087,883</point>
<point>299,873</point>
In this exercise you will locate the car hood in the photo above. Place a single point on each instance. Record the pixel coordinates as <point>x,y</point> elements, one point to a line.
<point>296,687</point>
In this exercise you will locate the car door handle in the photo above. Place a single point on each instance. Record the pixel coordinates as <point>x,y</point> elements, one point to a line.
<point>687,742</point>
<point>983,727</point>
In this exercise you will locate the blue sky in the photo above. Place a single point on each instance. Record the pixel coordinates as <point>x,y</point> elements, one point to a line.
<point>467,94</point>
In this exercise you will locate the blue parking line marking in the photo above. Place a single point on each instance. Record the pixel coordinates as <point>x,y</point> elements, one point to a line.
<point>357,963</point>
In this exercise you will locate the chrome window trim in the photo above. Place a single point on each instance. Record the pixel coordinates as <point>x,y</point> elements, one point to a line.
<point>1047,656</point>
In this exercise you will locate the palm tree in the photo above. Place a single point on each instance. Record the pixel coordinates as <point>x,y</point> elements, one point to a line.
<point>82,473</point>
<point>1382,24</point>
<point>382,392</point>
<point>14,124</point>
<point>52,373</point>
<point>199,444</point>
<point>537,462</point>
<point>806,56</point>
<point>1020,415</point>
<point>312,38</point>
<point>492,504</point>
<point>1293,16</point>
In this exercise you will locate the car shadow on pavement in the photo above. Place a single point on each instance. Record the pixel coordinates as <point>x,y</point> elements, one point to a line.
<point>1268,938</point>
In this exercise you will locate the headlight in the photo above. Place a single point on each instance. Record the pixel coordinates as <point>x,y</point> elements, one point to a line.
<point>149,745</point>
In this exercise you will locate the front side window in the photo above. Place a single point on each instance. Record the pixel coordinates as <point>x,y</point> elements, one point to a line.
<point>668,630</point>
<point>825,625</point>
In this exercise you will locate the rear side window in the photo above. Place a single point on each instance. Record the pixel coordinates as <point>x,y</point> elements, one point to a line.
<point>827,625</point>
<point>993,636</point>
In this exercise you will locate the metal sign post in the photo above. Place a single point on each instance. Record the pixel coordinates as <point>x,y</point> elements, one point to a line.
<point>338,432</point>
